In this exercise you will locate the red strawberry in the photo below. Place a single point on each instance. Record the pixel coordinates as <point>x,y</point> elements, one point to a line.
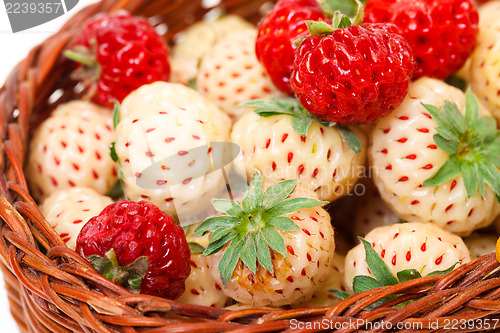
<point>441,33</point>
<point>119,53</point>
<point>141,245</point>
<point>353,76</point>
<point>275,45</point>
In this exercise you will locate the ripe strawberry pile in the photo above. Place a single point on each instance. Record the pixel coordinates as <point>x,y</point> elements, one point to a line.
<point>274,147</point>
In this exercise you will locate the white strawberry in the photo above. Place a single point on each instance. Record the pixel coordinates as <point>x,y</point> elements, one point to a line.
<point>422,247</point>
<point>275,251</point>
<point>68,210</point>
<point>195,41</point>
<point>482,69</point>
<point>230,73</point>
<point>293,146</point>
<point>201,288</point>
<point>480,244</point>
<point>420,174</point>
<point>334,281</point>
<point>372,212</point>
<point>159,126</point>
<point>71,148</point>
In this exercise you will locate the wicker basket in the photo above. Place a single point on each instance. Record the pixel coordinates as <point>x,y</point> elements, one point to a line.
<point>52,289</point>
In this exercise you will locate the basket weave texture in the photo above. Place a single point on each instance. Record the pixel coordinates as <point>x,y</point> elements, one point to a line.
<point>52,289</point>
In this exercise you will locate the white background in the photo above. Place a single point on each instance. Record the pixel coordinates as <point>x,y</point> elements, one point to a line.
<point>14,47</point>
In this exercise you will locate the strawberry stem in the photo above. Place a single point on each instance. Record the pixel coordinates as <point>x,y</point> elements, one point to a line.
<point>129,276</point>
<point>81,58</point>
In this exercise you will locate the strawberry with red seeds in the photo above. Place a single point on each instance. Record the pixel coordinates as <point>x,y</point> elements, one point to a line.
<point>334,281</point>
<point>117,54</point>
<point>68,210</point>
<point>137,246</point>
<point>230,74</point>
<point>353,74</point>
<point>435,158</point>
<point>70,149</point>
<point>201,287</point>
<point>441,33</point>
<point>282,141</point>
<point>278,31</point>
<point>271,249</point>
<point>400,252</point>
<point>163,147</point>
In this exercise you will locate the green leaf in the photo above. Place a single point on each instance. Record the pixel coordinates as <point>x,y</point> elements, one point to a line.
<point>446,271</point>
<point>480,181</point>
<point>266,108</point>
<point>451,111</point>
<point>469,179</point>
<point>254,195</point>
<point>112,152</point>
<point>217,245</point>
<point>377,266</point>
<point>471,107</point>
<point>491,175</point>
<point>214,223</point>
<point>341,21</point>
<point>299,41</point>
<point>408,274</point>
<point>292,205</point>
<point>229,207</point>
<point>350,138</point>
<point>448,170</point>
<point>192,83</point>
<point>301,125</point>
<point>278,192</point>
<point>249,253</point>
<point>438,115</point>
<point>116,113</point>
<point>451,147</point>
<point>318,28</point>
<point>263,252</point>
<point>195,248</point>
<point>340,294</point>
<point>487,128</point>
<point>229,260</point>
<point>274,240</point>
<point>283,223</point>
<point>363,283</point>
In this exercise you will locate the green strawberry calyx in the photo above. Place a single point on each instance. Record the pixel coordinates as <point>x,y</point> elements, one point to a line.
<point>473,145</point>
<point>250,231</point>
<point>382,276</point>
<point>301,118</point>
<point>344,13</point>
<point>129,276</point>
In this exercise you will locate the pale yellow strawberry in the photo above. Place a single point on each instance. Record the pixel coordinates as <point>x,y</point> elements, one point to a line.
<point>195,41</point>
<point>334,281</point>
<point>68,210</point>
<point>403,155</point>
<point>70,149</point>
<point>230,73</point>
<point>201,288</point>
<point>322,161</point>
<point>424,247</point>
<point>295,269</point>
<point>483,67</point>
<point>160,124</point>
